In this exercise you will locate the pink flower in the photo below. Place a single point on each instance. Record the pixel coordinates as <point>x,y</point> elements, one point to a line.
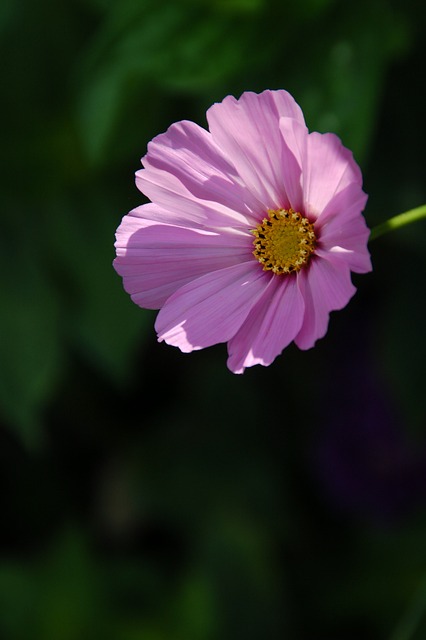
<point>251,234</point>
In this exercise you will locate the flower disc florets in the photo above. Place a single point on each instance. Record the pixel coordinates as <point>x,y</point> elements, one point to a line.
<point>284,241</point>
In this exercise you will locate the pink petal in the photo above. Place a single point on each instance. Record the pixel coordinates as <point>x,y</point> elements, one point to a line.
<point>343,231</point>
<point>326,286</point>
<point>357,260</point>
<point>346,204</point>
<point>295,135</point>
<point>248,131</point>
<point>271,325</point>
<point>328,169</point>
<point>211,308</point>
<point>187,174</point>
<point>347,243</point>
<point>156,259</point>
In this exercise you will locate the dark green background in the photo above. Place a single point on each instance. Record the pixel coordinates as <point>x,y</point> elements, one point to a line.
<point>151,495</point>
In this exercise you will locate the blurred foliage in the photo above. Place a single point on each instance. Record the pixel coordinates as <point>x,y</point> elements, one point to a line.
<point>150,495</point>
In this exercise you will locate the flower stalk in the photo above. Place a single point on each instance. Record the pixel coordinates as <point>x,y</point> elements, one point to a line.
<point>398,221</point>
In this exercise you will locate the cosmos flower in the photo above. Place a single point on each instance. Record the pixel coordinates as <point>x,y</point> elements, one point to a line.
<point>252,232</point>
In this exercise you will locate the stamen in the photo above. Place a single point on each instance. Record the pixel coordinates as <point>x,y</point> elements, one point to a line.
<point>284,242</point>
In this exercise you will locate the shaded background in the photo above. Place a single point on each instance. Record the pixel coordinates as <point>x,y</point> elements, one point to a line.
<point>147,494</point>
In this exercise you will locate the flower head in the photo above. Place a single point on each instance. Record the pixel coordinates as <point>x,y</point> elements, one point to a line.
<point>252,231</point>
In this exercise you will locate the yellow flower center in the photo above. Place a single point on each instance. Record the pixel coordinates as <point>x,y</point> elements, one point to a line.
<point>284,241</point>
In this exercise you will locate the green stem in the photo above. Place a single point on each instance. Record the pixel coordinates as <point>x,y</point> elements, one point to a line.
<point>398,221</point>
<point>410,622</point>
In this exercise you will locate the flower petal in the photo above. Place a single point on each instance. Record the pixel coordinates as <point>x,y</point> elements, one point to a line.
<point>357,260</point>
<point>344,205</point>
<point>248,131</point>
<point>343,231</point>
<point>328,169</point>
<point>156,259</point>
<point>295,135</point>
<point>349,244</point>
<point>211,308</point>
<point>187,174</point>
<point>270,327</point>
<point>325,286</point>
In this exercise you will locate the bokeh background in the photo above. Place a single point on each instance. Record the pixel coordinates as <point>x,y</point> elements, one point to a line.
<point>151,495</point>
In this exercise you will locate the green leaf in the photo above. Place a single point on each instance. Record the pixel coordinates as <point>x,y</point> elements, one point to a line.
<point>142,47</point>
<point>30,353</point>
<point>98,316</point>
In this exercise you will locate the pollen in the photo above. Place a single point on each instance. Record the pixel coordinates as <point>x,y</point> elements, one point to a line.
<point>284,242</point>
